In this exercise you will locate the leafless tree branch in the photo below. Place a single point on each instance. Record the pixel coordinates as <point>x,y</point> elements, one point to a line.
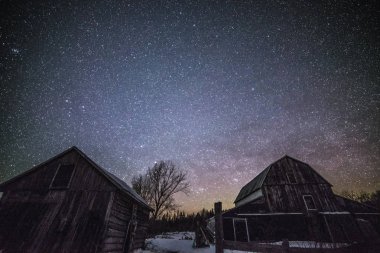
<point>159,184</point>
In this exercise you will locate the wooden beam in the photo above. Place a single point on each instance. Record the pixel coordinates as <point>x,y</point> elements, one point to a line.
<point>253,246</point>
<point>218,227</point>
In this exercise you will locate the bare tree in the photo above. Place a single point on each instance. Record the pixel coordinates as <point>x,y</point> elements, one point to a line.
<point>159,184</point>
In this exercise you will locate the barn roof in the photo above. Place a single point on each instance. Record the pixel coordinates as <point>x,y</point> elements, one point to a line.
<point>253,185</point>
<point>256,183</point>
<point>120,184</point>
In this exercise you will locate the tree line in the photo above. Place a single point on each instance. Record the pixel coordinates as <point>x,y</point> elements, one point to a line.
<point>179,221</point>
<point>368,198</point>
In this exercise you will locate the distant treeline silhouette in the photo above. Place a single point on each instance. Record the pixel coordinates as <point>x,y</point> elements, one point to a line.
<point>178,221</point>
<point>368,198</point>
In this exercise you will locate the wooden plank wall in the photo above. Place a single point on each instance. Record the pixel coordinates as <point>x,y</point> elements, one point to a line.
<point>284,248</point>
<point>284,196</point>
<point>68,221</point>
<point>84,177</point>
<point>79,224</point>
<point>288,197</point>
<point>34,218</point>
<point>119,220</point>
<point>142,228</point>
<point>91,215</point>
<point>222,243</point>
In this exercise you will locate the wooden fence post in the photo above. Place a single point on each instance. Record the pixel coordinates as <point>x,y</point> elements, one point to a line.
<point>218,227</point>
<point>285,245</point>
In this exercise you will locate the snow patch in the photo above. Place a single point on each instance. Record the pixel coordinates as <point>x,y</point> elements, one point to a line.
<point>182,242</point>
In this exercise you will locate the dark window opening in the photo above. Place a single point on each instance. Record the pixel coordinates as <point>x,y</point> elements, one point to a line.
<point>309,202</point>
<point>241,231</point>
<point>228,229</point>
<point>62,176</point>
<point>291,177</point>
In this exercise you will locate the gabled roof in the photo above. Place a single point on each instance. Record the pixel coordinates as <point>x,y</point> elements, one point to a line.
<point>118,183</point>
<point>256,183</point>
<point>253,185</point>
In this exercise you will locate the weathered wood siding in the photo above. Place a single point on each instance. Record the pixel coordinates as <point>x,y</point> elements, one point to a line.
<point>282,195</point>
<point>119,229</point>
<point>81,218</point>
<point>119,218</point>
<point>78,224</point>
<point>84,177</point>
<point>304,174</point>
<point>289,198</point>
<point>297,204</point>
<point>142,228</point>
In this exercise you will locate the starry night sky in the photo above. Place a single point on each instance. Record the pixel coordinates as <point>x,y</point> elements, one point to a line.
<point>222,88</point>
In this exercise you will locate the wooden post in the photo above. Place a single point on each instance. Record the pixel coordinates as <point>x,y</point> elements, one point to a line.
<point>198,236</point>
<point>285,245</point>
<point>218,227</point>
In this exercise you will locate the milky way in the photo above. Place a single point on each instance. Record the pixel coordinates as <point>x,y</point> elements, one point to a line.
<point>222,88</point>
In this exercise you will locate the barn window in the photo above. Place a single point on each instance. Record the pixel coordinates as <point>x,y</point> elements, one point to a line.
<point>309,202</point>
<point>228,229</point>
<point>291,176</point>
<point>62,176</point>
<point>241,230</point>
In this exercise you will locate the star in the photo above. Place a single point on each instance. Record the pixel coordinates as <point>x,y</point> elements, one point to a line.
<point>221,89</point>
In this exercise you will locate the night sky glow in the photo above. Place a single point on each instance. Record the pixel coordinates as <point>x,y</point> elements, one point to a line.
<point>222,88</point>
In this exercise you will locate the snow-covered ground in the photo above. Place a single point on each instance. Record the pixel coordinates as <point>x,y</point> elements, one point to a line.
<point>179,242</point>
<point>182,242</point>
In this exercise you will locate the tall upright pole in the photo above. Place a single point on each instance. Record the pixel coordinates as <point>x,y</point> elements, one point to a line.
<point>218,227</point>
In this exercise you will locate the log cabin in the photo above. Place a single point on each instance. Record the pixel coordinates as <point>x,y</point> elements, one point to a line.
<point>290,200</point>
<point>71,204</point>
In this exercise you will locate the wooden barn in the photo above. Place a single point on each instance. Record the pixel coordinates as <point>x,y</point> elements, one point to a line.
<point>289,199</point>
<point>70,204</point>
